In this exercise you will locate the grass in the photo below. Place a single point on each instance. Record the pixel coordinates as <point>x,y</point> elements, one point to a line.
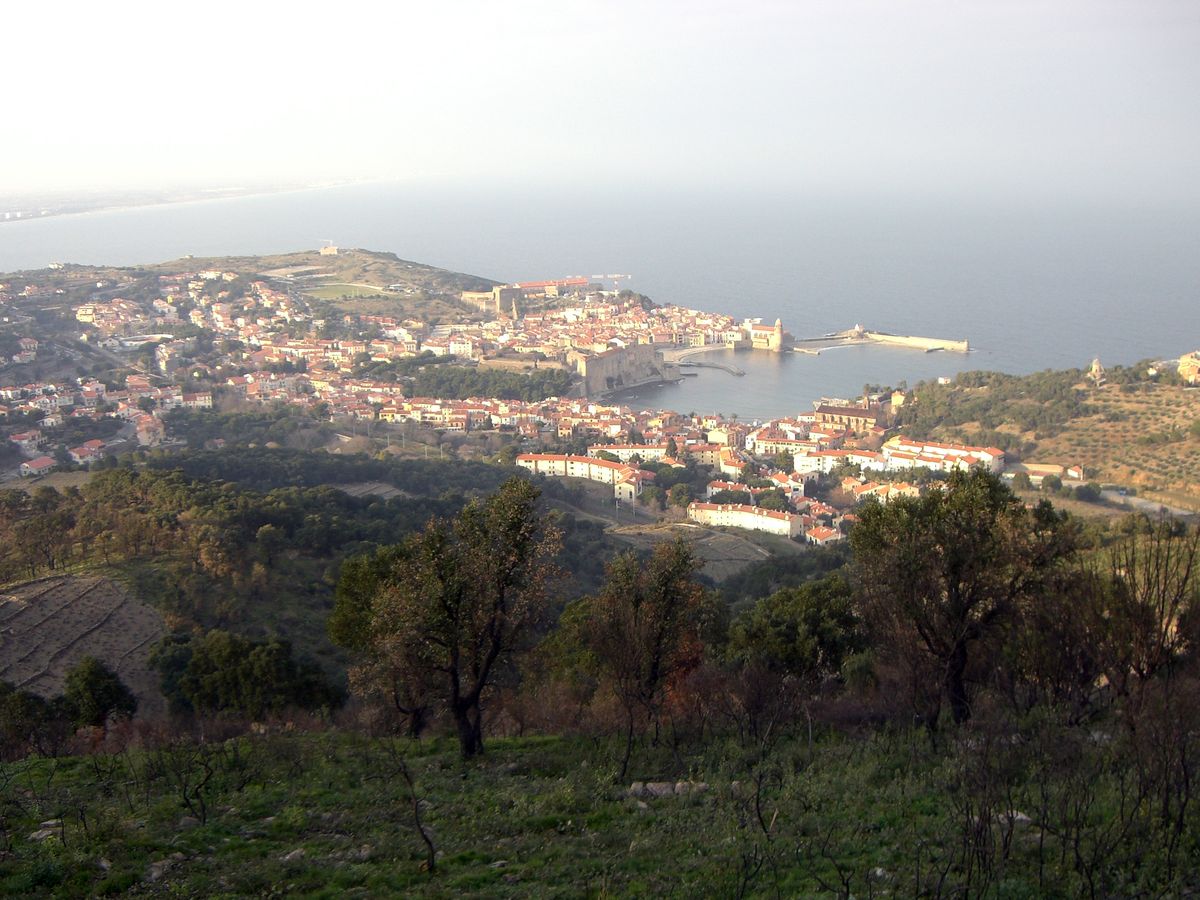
<point>327,815</point>
<point>339,291</point>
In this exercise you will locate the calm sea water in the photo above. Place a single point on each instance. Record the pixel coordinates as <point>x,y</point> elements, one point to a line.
<point>1030,287</point>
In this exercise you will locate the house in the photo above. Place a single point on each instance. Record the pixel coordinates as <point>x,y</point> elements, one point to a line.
<point>85,456</point>
<point>1189,367</point>
<point>27,441</point>
<point>39,466</point>
<point>852,418</point>
<point>821,535</point>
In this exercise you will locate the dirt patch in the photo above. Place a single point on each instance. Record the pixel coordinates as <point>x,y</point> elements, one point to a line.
<point>49,625</point>
<point>372,489</point>
<point>725,553</point>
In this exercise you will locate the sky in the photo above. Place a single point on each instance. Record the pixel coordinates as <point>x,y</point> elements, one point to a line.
<point>1078,98</point>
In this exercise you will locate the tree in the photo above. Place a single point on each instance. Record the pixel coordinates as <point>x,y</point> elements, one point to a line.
<point>805,632</point>
<point>463,596</point>
<point>941,573</point>
<point>680,494</point>
<point>644,629</point>
<point>361,580</point>
<point>652,495</point>
<point>744,498</point>
<point>1150,585</point>
<point>223,673</point>
<point>93,692</point>
<point>782,649</point>
<point>776,500</point>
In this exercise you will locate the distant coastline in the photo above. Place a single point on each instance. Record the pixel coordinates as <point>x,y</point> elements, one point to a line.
<point>33,207</point>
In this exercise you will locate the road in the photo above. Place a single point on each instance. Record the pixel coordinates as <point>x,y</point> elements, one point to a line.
<point>1141,504</point>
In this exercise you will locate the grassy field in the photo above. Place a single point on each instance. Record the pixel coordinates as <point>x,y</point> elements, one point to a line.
<point>331,815</point>
<point>340,291</point>
<point>60,481</point>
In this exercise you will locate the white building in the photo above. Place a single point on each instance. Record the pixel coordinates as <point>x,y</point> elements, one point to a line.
<point>752,518</point>
<point>626,452</point>
<point>626,480</point>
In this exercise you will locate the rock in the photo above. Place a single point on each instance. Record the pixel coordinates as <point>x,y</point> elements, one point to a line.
<point>642,806</point>
<point>158,869</point>
<point>660,789</point>
<point>682,787</point>
<point>1017,817</point>
<point>103,864</point>
<point>295,856</point>
<point>187,822</point>
<point>42,833</point>
<point>51,823</point>
<point>637,789</point>
<point>498,864</point>
<point>879,872</point>
<point>364,853</point>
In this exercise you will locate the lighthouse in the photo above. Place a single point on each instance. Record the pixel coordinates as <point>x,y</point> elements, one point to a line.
<point>777,337</point>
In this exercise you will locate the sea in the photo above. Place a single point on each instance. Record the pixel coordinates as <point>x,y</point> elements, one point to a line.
<point>1030,283</point>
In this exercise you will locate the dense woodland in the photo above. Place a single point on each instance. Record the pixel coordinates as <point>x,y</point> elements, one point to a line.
<point>427,375</point>
<point>972,698</point>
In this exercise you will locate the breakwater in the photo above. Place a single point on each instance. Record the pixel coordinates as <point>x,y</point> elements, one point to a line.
<point>732,370</point>
<point>927,344</point>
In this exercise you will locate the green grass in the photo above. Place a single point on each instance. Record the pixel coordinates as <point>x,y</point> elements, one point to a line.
<point>540,816</point>
<point>337,290</point>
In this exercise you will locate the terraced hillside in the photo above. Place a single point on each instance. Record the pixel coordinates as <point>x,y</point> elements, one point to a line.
<point>1143,438</point>
<point>48,625</point>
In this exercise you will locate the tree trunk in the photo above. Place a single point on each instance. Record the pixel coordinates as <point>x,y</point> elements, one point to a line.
<point>470,729</point>
<point>628,743</point>
<point>956,688</point>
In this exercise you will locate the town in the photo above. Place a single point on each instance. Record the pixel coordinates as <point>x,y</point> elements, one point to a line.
<point>217,338</point>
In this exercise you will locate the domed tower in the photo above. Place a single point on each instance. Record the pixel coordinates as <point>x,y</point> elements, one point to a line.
<point>777,336</point>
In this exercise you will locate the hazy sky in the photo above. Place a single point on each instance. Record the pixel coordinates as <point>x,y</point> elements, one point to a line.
<point>1072,97</point>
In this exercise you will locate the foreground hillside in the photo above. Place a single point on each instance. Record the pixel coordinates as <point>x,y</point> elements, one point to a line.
<point>329,815</point>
